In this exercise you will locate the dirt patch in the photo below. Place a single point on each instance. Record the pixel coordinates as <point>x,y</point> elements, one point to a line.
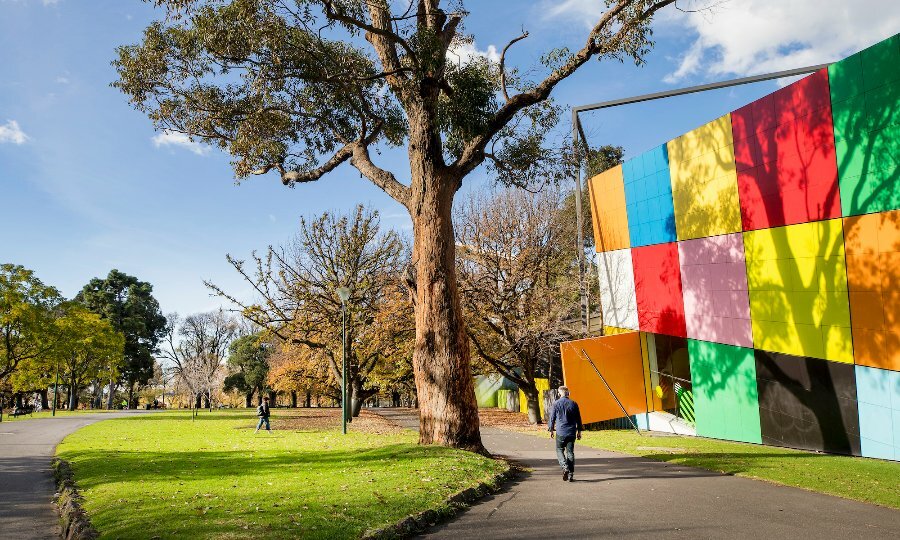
<point>322,419</point>
<point>499,418</point>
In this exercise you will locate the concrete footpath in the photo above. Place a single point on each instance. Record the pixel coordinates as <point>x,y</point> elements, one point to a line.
<point>26,483</point>
<point>620,496</point>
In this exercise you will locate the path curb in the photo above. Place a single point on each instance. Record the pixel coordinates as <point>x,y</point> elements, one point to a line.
<point>418,523</point>
<point>73,519</point>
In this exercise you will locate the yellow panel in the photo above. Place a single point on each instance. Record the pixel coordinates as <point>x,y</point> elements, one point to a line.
<point>542,385</point>
<point>608,215</point>
<point>797,279</point>
<point>645,360</point>
<point>704,181</point>
<point>619,360</point>
<point>613,330</point>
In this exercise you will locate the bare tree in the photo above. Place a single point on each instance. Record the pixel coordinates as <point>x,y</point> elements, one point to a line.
<point>196,347</point>
<point>297,300</point>
<point>518,281</point>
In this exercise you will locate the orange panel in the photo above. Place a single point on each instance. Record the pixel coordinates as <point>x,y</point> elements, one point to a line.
<point>873,275</point>
<point>619,359</point>
<point>608,215</point>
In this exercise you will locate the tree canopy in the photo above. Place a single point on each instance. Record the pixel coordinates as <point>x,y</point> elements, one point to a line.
<point>129,306</point>
<point>26,315</point>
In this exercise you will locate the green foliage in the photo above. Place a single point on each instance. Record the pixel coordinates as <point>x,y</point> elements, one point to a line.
<point>248,362</point>
<point>87,346</point>
<point>129,306</point>
<point>162,475</point>
<point>26,314</point>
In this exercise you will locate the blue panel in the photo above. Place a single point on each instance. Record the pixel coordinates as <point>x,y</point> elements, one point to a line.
<point>878,394</point>
<point>648,198</point>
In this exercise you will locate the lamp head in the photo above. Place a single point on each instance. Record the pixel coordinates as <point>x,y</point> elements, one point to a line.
<point>343,293</point>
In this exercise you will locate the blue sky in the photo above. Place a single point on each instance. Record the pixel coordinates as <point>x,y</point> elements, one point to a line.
<point>85,187</point>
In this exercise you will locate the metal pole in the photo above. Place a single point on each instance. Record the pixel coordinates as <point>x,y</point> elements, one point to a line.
<point>344,362</point>
<point>613,394</point>
<point>579,224</point>
<point>55,388</point>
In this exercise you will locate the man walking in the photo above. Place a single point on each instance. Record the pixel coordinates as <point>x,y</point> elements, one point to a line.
<point>565,418</point>
<point>263,413</point>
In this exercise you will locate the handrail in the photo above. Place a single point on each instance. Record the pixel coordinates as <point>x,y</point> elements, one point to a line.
<point>602,378</point>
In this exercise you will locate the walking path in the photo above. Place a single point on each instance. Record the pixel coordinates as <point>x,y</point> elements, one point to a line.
<point>620,496</point>
<point>26,483</point>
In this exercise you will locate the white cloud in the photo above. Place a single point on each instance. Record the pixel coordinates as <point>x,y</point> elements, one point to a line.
<point>174,138</point>
<point>465,51</point>
<point>10,132</point>
<point>760,36</point>
<point>62,80</point>
<point>744,37</point>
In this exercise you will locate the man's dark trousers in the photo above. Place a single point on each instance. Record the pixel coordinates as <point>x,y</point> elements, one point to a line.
<point>565,453</point>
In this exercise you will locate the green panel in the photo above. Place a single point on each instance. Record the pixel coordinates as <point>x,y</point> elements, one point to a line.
<point>865,95</point>
<point>726,403</point>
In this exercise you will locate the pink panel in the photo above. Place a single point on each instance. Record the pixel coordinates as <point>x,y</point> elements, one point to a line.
<point>714,281</point>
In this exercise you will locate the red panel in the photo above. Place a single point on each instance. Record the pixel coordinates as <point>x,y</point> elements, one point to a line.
<point>784,152</point>
<point>657,279</point>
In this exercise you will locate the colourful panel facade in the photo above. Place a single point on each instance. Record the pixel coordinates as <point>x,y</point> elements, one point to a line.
<point>657,279</point>
<point>618,302</point>
<point>714,284</point>
<point>878,392</point>
<point>608,215</point>
<point>618,358</point>
<point>873,275</point>
<point>865,91</point>
<point>781,287</point>
<point>648,198</point>
<point>542,386</point>
<point>726,403</point>
<point>784,154</point>
<point>797,281</point>
<point>704,182</point>
<point>807,403</point>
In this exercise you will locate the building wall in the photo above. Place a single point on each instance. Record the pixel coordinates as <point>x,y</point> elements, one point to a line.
<point>778,257</point>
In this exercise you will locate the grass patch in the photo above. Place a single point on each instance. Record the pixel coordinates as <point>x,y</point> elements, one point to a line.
<point>163,475</point>
<point>862,479</point>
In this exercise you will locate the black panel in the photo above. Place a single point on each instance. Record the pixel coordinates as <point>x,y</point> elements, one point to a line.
<point>807,403</point>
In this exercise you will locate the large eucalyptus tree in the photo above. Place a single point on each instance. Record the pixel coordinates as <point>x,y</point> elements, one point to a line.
<point>298,87</point>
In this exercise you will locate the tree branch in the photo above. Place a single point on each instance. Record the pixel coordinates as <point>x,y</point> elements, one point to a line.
<point>503,63</point>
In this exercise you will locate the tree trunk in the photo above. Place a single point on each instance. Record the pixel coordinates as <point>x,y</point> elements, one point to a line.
<point>293,399</point>
<point>19,400</point>
<point>131,403</point>
<point>206,401</point>
<point>248,401</point>
<point>44,403</point>
<point>73,397</point>
<point>272,396</point>
<point>533,404</point>
<point>357,397</point>
<point>198,400</point>
<point>309,399</point>
<point>448,412</point>
<point>112,393</point>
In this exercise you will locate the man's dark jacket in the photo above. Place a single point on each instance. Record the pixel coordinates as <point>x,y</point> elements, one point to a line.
<point>262,411</point>
<point>565,418</point>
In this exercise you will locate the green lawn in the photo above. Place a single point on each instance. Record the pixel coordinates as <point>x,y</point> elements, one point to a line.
<point>163,475</point>
<point>869,480</point>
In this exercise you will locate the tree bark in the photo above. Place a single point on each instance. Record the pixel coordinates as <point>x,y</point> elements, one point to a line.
<point>448,413</point>
<point>112,392</point>
<point>248,400</point>
<point>532,401</point>
<point>44,403</point>
<point>308,402</point>
<point>293,399</point>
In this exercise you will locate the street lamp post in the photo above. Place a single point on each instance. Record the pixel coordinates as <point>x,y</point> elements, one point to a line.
<point>344,294</point>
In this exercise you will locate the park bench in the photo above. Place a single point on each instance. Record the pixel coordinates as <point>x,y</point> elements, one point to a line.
<point>21,411</point>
